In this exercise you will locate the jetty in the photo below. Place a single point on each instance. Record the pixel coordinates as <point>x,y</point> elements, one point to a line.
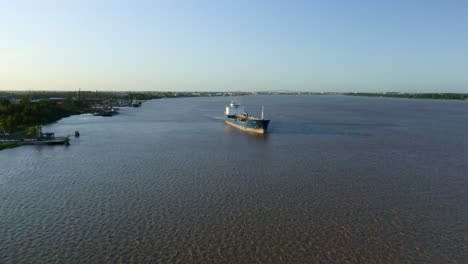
<point>40,139</point>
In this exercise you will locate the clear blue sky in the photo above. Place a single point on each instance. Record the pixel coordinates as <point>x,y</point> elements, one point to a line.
<point>412,45</point>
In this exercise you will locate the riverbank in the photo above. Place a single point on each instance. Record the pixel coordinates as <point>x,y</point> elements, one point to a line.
<point>20,117</point>
<point>20,122</point>
<point>7,146</point>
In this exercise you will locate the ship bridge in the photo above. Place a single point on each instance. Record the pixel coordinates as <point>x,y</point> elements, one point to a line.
<point>234,109</point>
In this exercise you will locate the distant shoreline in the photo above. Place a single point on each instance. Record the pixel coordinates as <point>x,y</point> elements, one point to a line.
<point>148,95</point>
<point>446,96</point>
<point>443,96</point>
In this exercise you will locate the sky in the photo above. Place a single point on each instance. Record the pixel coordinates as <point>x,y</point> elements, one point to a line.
<point>238,45</point>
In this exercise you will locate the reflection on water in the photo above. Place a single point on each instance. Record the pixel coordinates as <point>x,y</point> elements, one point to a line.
<point>338,179</point>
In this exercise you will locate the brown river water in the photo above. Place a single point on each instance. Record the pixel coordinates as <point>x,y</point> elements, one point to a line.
<point>338,179</point>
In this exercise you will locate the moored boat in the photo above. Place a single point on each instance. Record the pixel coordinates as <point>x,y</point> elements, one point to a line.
<point>107,111</point>
<point>136,103</point>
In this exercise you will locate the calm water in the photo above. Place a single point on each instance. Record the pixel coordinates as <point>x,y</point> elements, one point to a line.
<point>338,179</point>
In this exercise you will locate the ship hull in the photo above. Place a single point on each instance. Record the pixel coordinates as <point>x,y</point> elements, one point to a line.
<point>255,126</point>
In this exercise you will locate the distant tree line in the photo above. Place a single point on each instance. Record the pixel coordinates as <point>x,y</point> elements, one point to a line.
<point>452,96</point>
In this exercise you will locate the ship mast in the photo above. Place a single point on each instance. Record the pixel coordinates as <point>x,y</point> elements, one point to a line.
<point>262,113</point>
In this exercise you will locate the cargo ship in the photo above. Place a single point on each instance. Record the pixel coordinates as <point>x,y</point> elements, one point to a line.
<point>237,117</point>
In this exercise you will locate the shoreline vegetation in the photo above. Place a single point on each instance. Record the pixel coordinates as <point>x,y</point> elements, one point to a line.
<point>7,146</point>
<point>22,111</point>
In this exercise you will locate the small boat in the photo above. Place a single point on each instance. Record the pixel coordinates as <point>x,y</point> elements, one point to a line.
<point>107,111</point>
